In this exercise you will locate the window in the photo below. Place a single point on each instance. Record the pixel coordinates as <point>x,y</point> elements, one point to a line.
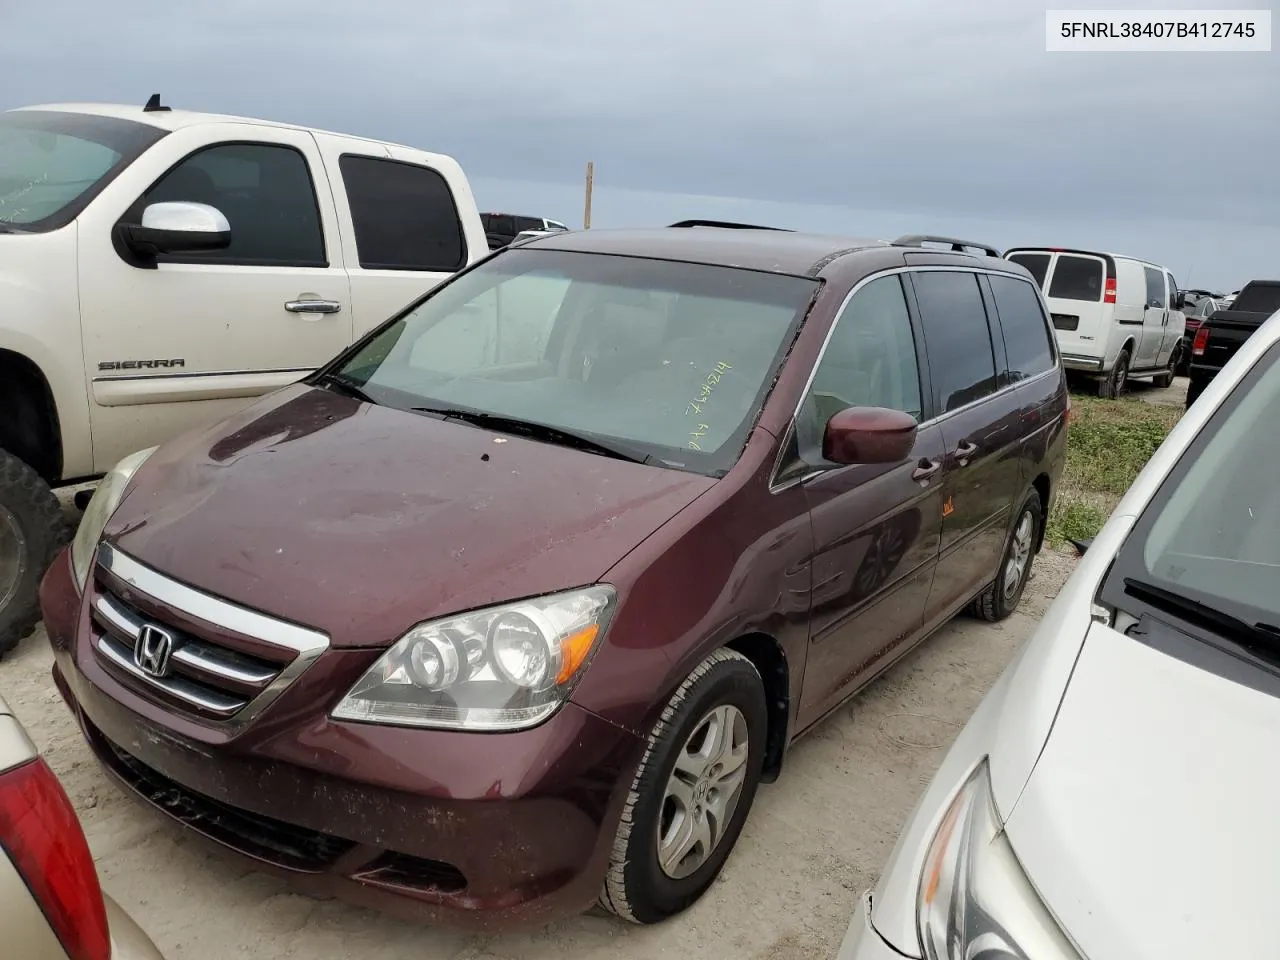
<point>1037,263</point>
<point>1026,335</point>
<point>1173,292</point>
<point>266,194</point>
<point>1077,278</point>
<point>404,216</point>
<point>957,337</point>
<point>1155,288</point>
<point>869,361</point>
<point>500,223</point>
<point>529,223</point>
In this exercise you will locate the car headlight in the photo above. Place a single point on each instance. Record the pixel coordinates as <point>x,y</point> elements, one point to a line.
<point>106,497</point>
<point>502,668</point>
<point>975,902</point>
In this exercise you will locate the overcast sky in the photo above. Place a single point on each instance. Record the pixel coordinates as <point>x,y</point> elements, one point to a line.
<point>920,116</point>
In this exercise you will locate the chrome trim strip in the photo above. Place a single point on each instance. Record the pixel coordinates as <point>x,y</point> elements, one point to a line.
<point>225,705</point>
<point>308,644</point>
<point>301,371</point>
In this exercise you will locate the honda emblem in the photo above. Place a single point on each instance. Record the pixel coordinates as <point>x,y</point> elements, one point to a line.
<point>152,649</point>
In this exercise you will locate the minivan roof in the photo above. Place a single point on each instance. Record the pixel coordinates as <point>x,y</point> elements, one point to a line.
<point>1110,258</point>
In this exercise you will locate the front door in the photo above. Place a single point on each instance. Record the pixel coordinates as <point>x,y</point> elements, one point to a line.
<point>1175,323</point>
<point>201,335</point>
<point>980,423</point>
<point>1155,318</point>
<point>875,526</point>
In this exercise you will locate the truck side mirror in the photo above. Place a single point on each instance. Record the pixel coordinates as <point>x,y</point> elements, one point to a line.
<point>175,227</point>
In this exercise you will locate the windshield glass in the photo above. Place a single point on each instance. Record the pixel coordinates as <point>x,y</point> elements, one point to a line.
<point>1212,534</point>
<point>52,163</point>
<point>672,359</point>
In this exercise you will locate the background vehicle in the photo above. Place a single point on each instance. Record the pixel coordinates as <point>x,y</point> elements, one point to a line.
<point>1115,316</point>
<point>802,456</point>
<point>51,904</point>
<point>1057,830</point>
<point>500,229</point>
<point>1222,334</point>
<point>1195,312</point>
<point>159,269</point>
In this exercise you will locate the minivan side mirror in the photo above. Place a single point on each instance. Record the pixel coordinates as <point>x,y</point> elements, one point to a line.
<point>177,227</point>
<point>869,435</point>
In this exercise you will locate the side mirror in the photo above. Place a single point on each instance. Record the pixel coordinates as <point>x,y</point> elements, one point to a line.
<point>869,435</point>
<point>1181,303</point>
<point>177,227</point>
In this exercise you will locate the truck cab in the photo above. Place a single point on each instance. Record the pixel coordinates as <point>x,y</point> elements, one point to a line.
<point>1220,336</point>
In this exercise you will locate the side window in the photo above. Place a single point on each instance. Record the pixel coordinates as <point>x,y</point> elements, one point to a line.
<point>1037,263</point>
<point>1173,291</point>
<point>869,361</point>
<point>1155,287</point>
<point>1026,332</point>
<point>528,223</point>
<point>502,224</point>
<point>404,216</point>
<point>266,193</point>
<point>505,325</point>
<point>957,336</point>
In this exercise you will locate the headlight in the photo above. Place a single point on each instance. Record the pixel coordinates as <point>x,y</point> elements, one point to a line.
<point>975,902</point>
<point>503,668</point>
<point>103,503</point>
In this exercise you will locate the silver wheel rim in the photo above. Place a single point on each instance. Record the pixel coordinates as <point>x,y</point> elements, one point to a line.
<point>1019,555</point>
<point>13,557</point>
<point>703,791</point>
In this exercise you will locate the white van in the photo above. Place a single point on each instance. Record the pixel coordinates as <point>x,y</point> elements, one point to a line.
<point>1115,317</point>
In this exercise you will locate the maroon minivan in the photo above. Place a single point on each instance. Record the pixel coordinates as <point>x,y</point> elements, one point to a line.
<point>512,606</point>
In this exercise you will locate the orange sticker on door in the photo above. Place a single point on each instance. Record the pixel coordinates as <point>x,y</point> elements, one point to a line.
<point>948,507</point>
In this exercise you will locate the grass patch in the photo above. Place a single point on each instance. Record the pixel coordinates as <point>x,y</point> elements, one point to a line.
<point>1108,444</point>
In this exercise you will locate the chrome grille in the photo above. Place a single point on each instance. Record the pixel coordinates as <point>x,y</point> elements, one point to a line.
<point>224,663</point>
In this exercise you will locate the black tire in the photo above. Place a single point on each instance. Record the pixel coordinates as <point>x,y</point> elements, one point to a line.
<point>32,530</point>
<point>1164,380</point>
<point>996,602</point>
<point>1113,385</point>
<point>637,888</point>
<point>1194,389</point>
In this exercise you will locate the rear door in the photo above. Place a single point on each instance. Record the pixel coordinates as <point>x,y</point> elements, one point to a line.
<point>979,415</point>
<point>1155,318</point>
<point>1075,296</point>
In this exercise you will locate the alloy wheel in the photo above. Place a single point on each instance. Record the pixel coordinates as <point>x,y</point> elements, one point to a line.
<point>1019,554</point>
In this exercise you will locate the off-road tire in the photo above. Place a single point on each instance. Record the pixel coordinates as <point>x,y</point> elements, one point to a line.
<point>1112,386</point>
<point>635,887</point>
<point>992,604</point>
<point>30,502</point>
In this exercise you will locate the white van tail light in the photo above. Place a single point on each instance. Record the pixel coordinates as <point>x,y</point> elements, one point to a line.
<point>1109,291</point>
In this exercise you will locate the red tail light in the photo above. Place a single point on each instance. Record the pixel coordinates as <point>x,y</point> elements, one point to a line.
<point>1197,345</point>
<point>40,831</point>
<point>1109,292</point>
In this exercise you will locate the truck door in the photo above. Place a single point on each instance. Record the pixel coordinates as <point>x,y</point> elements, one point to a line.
<point>414,223</point>
<point>202,334</point>
<point>1155,318</point>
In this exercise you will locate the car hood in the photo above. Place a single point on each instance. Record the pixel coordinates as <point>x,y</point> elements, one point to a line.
<point>1148,825</point>
<point>362,520</point>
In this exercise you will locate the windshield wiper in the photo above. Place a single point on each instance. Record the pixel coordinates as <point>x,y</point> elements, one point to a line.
<point>7,227</point>
<point>347,386</point>
<point>538,431</point>
<point>1252,636</point>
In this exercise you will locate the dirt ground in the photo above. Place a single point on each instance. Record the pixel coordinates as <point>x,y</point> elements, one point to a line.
<point>815,839</point>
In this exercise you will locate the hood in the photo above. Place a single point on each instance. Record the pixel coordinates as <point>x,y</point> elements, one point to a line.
<point>1149,824</point>
<point>362,520</point>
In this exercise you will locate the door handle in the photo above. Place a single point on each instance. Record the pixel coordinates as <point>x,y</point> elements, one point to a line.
<point>963,452</point>
<point>925,469</point>
<point>313,306</point>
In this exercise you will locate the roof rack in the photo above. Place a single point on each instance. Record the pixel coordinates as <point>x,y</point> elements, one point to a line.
<point>727,225</point>
<point>959,246</point>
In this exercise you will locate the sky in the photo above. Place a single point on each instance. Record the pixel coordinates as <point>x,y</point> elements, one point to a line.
<point>915,116</point>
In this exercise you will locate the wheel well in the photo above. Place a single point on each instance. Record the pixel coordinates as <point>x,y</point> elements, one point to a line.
<point>1041,484</point>
<point>29,429</point>
<point>769,659</point>
<point>1127,345</point>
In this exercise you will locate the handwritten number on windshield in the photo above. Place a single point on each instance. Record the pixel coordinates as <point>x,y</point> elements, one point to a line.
<point>702,396</point>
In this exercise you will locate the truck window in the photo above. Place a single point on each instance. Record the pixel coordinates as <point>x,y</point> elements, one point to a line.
<point>1037,263</point>
<point>1077,278</point>
<point>529,223</point>
<point>404,216</point>
<point>1258,298</point>
<point>1155,287</point>
<point>266,193</point>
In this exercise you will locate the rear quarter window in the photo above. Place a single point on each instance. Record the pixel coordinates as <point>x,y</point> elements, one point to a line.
<point>1026,331</point>
<point>1077,278</point>
<point>404,216</point>
<point>1037,263</point>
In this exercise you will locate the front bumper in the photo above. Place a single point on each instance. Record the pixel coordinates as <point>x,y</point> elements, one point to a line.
<point>862,941</point>
<point>486,831</point>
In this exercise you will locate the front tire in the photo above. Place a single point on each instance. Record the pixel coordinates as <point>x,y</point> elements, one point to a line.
<point>1164,380</point>
<point>1001,597</point>
<point>1113,385</point>
<point>32,530</point>
<point>692,792</point>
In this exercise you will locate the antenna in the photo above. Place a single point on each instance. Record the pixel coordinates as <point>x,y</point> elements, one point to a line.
<point>154,105</point>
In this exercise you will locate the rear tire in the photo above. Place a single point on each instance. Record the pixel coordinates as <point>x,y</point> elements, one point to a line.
<point>1001,597</point>
<point>32,530</point>
<point>648,879</point>
<point>1113,385</point>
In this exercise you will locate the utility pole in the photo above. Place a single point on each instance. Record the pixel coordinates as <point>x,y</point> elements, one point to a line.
<point>586,213</point>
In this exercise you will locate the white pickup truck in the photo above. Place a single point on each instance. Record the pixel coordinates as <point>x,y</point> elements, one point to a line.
<point>161,268</point>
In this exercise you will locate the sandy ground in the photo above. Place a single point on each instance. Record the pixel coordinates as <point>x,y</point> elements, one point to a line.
<point>814,840</point>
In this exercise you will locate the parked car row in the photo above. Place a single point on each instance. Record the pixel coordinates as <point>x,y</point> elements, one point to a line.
<point>1224,331</point>
<point>501,229</point>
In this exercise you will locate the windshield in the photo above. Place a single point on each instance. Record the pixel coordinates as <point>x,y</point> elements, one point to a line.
<point>53,163</point>
<point>1212,533</point>
<point>671,359</point>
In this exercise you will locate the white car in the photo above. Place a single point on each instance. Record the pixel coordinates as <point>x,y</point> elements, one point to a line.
<point>1114,795</point>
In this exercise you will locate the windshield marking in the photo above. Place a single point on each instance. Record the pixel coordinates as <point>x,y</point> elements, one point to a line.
<point>705,388</point>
